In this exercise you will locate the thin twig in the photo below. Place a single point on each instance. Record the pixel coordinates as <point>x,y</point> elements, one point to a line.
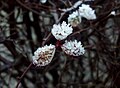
<point>78,32</point>
<point>17,86</point>
<point>27,7</point>
<point>73,7</point>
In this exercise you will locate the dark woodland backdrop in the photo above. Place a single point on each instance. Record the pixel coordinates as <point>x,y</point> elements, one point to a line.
<point>26,25</point>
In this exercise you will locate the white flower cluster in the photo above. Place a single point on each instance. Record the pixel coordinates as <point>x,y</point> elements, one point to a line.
<point>44,55</point>
<point>74,19</point>
<point>73,48</point>
<point>87,12</point>
<point>61,31</point>
<point>84,11</point>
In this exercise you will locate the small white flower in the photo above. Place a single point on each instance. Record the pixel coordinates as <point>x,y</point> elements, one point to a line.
<point>73,48</point>
<point>74,19</point>
<point>43,1</point>
<point>44,55</point>
<point>61,31</point>
<point>113,13</point>
<point>87,12</point>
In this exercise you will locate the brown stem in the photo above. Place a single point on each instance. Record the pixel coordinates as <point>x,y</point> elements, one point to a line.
<point>23,75</point>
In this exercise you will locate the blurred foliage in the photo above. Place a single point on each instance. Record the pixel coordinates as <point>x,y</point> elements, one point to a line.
<point>26,25</point>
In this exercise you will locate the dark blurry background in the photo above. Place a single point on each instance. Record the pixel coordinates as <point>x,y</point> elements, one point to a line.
<point>25,25</point>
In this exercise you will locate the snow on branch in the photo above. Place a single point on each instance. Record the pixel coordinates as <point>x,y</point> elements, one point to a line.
<point>73,7</point>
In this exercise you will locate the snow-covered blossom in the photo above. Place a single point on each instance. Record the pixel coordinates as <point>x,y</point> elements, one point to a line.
<point>73,48</point>
<point>43,1</point>
<point>87,12</point>
<point>61,31</point>
<point>43,55</point>
<point>74,19</point>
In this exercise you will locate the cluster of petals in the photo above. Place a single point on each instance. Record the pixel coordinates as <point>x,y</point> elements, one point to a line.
<point>73,48</point>
<point>74,19</point>
<point>84,11</point>
<point>61,31</point>
<point>43,55</point>
<point>87,12</point>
